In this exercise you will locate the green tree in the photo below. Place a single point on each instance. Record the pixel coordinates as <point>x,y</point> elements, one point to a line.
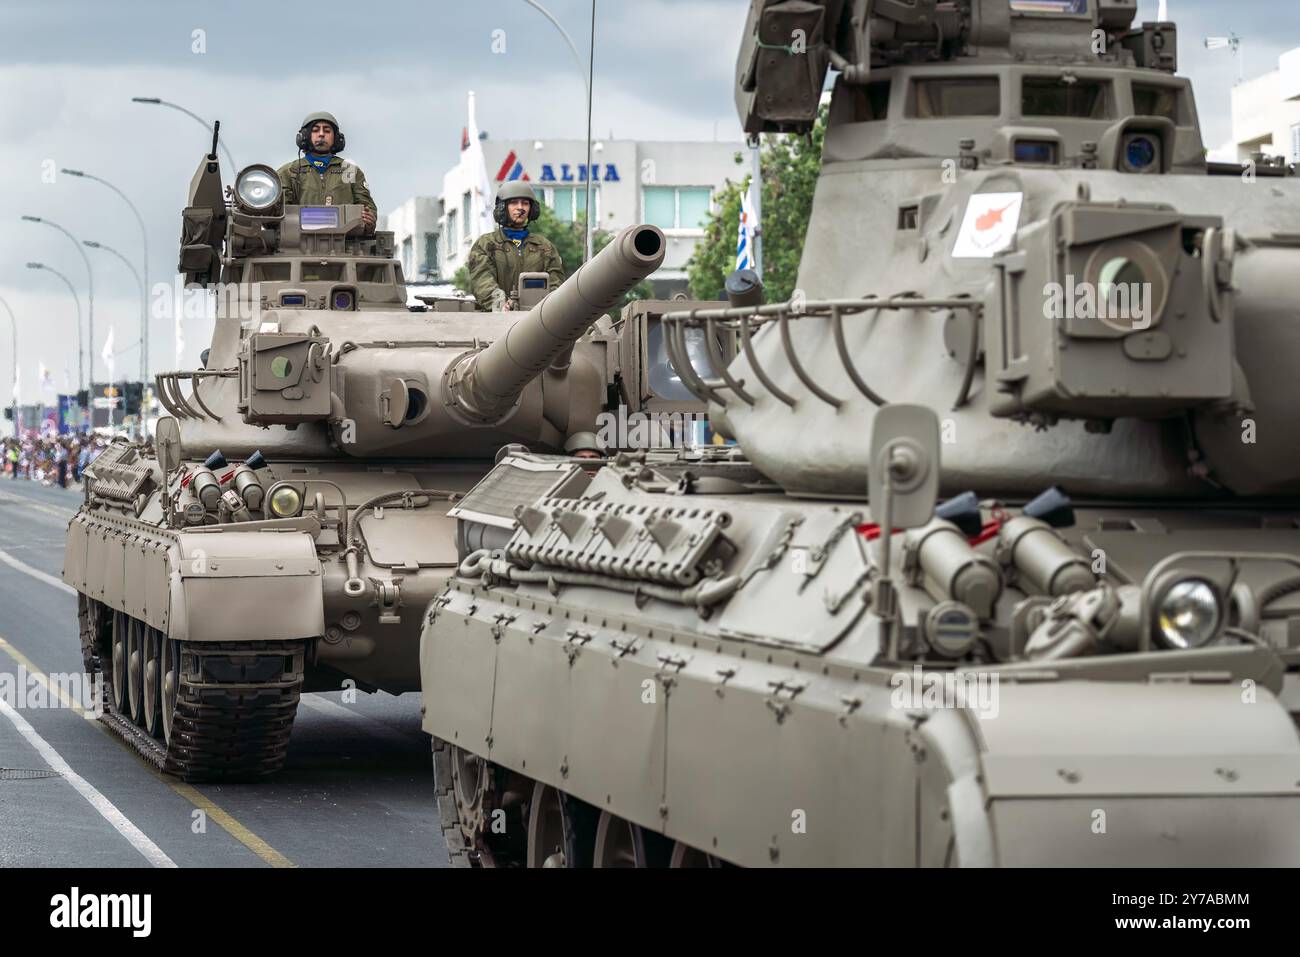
<point>790,167</point>
<point>570,240</point>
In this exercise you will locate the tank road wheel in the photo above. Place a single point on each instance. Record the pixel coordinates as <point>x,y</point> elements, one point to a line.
<point>561,829</point>
<point>224,710</point>
<point>169,680</point>
<point>550,838</point>
<point>117,680</point>
<point>471,781</point>
<point>149,704</point>
<point>686,856</point>
<point>91,618</point>
<point>620,843</point>
<point>136,633</point>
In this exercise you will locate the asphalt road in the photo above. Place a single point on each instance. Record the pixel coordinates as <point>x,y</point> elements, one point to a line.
<point>356,789</point>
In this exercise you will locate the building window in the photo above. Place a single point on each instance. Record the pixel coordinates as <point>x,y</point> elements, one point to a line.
<point>1295,142</point>
<point>453,236</point>
<point>466,214</point>
<point>407,253</point>
<point>570,202</point>
<point>676,207</point>
<point>431,254</point>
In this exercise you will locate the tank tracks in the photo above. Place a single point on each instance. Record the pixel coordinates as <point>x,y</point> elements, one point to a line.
<point>493,817</point>
<point>233,706</point>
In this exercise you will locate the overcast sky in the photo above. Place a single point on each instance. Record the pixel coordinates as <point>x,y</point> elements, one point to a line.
<point>395,73</point>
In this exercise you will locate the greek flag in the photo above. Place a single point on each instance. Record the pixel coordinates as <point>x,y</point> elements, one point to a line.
<point>745,232</point>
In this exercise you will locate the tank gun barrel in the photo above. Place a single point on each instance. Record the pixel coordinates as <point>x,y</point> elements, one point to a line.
<point>485,384</point>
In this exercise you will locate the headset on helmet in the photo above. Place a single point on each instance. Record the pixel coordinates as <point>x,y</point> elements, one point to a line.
<point>303,139</point>
<point>515,190</point>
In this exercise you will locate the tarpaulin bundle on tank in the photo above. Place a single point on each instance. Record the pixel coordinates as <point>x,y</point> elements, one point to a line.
<point>739,319</point>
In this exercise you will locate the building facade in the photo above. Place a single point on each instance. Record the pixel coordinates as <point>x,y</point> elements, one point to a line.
<point>416,239</point>
<point>1266,112</point>
<point>669,184</point>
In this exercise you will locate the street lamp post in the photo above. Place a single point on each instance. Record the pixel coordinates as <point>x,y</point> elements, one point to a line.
<point>144,271</point>
<point>75,298</point>
<point>194,116</point>
<point>90,297</point>
<point>14,323</point>
<point>587,77</point>
<point>144,331</point>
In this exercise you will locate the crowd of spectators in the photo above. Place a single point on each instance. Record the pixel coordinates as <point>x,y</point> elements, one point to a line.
<point>50,459</point>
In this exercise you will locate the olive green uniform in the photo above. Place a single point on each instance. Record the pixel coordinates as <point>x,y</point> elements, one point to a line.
<point>495,262</point>
<point>340,184</point>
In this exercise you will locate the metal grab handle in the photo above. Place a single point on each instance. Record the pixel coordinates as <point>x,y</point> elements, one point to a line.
<point>837,324</point>
<point>174,400</point>
<point>675,343</point>
<point>720,363</point>
<point>797,366</point>
<point>748,346</point>
<point>782,313</point>
<point>972,354</point>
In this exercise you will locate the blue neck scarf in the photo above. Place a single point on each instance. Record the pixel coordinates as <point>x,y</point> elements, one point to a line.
<point>319,163</point>
<point>517,236</point>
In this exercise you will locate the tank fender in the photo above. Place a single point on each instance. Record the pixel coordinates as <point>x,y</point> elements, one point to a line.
<point>228,585</point>
<point>1078,773</point>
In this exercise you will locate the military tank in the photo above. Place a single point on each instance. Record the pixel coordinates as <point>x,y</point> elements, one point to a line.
<point>1002,570</point>
<point>290,524</point>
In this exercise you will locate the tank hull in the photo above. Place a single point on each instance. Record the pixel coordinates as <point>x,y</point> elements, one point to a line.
<point>771,732</point>
<point>229,599</point>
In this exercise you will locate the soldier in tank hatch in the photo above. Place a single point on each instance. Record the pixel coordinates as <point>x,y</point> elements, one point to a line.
<point>319,177</point>
<point>497,258</point>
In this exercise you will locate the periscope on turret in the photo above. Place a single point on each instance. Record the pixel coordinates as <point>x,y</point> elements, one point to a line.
<point>1004,567</point>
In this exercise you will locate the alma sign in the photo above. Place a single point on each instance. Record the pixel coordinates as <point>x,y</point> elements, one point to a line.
<point>567,174</point>
<point>513,168</point>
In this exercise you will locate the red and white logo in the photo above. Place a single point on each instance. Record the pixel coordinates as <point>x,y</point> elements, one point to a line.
<point>989,225</point>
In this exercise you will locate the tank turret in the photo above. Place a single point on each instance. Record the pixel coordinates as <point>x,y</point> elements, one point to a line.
<point>1017,226</point>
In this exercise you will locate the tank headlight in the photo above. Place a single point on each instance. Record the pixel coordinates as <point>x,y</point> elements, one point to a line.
<point>1188,614</point>
<point>285,501</point>
<point>257,188</point>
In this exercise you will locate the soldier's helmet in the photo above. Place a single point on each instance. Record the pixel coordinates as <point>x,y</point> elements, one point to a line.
<point>320,116</point>
<point>516,190</point>
<point>583,442</point>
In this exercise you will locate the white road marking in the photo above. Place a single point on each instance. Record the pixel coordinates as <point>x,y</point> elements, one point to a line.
<point>107,809</point>
<point>36,573</point>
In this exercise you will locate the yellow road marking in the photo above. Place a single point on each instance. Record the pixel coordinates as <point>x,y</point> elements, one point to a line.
<point>236,830</point>
<point>222,817</point>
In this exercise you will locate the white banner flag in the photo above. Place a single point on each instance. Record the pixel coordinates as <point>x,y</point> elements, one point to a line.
<point>107,354</point>
<point>484,200</point>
